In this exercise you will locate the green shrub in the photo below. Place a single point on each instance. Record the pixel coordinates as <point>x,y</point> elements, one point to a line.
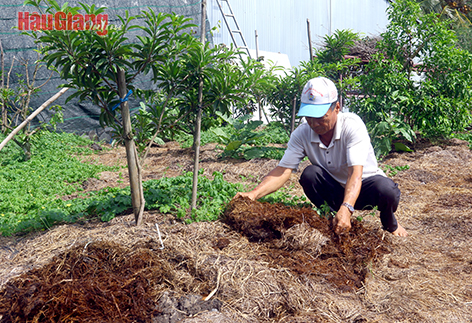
<point>466,135</point>
<point>418,82</point>
<point>186,141</point>
<point>272,133</point>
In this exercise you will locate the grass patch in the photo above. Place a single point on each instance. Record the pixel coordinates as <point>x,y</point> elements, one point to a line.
<point>168,195</point>
<point>28,188</point>
<point>31,191</point>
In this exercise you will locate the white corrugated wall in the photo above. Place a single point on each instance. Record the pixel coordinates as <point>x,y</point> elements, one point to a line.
<point>282,24</point>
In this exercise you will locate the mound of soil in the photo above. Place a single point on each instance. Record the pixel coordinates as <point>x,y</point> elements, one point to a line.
<point>304,242</point>
<point>100,282</point>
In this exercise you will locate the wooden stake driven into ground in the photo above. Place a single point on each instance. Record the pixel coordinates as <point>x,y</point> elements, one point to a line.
<point>309,39</point>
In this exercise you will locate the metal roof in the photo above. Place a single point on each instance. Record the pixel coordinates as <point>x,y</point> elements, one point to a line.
<point>282,24</point>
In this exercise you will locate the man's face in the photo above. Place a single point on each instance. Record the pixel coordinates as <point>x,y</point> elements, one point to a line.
<point>326,123</point>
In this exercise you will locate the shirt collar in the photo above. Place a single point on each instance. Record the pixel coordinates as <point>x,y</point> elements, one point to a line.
<point>314,136</point>
<point>339,126</point>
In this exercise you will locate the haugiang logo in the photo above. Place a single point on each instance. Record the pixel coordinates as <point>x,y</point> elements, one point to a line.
<point>62,21</point>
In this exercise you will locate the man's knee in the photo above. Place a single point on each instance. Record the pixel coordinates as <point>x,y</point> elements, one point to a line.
<point>387,190</point>
<point>310,174</point>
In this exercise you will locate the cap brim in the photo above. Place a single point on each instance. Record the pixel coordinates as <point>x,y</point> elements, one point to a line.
<point>313,110</point>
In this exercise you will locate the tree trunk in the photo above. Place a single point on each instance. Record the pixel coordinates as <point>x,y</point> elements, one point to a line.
<point>135,182</point>
<point>198,122</point>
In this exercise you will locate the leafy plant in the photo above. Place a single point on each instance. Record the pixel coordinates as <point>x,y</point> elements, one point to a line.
<point>325,211</point>
<point>372,213</point>
<point>272,133</point>
<point>144,123</point>
<point>262,79</point>
<point>213,195</point>
<point>383,132</point>
<point>418,82</point>
<point>208,136</point>
<point>262,152</point>
<point>456,12</point>
<point>36,194</point>
<point>227,84</point>
<point>15,103</point>
<point>286,197</point>
<point>168,195</point>
<point>336,65</point>
<point>336,46</point>
<point>284,100</point>
<point>103,67</point>
<point>465,135</point>
<point>241,133</point>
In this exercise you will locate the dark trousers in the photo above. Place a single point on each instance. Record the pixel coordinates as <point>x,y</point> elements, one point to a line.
<point>376,190</point>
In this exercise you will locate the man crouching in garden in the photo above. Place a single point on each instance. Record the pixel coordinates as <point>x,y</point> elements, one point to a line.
<point>344,170</point>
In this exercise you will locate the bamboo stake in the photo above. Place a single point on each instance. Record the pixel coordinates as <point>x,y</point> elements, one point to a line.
<point>257,44</point>
<point>257,57</point>
<point>32,116</point>
<point>4,110</point>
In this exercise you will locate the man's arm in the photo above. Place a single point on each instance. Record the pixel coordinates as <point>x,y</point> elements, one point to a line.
<point>270,183</point>
<point>342,221</point>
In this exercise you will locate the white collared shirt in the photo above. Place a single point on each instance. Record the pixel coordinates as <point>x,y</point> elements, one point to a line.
<point>350,146</point>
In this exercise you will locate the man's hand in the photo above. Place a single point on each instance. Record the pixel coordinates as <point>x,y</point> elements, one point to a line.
<point>245,194</point>
<point>342,221</point>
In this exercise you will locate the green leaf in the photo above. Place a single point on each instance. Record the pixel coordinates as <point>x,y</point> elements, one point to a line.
<point>253,152</point>
<point>159,141</point>
<point>234,145</point>
<point>401,147</point>
<point>221,133</point>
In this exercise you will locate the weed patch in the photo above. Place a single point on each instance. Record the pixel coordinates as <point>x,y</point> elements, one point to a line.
<point>30,188</point>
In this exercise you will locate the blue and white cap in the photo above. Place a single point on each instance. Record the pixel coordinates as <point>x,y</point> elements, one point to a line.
<point>317,96</point>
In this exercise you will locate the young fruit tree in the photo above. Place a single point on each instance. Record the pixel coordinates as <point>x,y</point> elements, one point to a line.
<point>102,67</point>
<point>208,83</point>
<point>189,77</point>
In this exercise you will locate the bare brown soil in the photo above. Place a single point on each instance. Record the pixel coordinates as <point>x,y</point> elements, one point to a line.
<point>260,262</point>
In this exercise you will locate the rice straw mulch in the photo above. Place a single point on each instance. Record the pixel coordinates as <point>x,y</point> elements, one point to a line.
<point>278,268</point>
